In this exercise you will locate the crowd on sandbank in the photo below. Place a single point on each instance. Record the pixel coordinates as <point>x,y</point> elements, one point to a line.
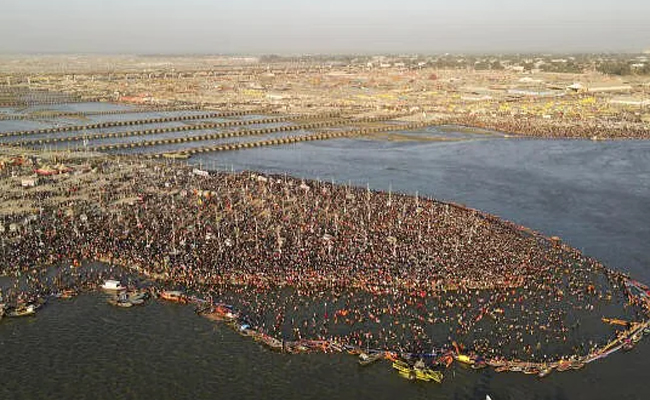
<point>305,260</point>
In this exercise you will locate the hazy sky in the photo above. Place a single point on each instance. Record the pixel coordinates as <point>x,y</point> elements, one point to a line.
<point>314,26</point>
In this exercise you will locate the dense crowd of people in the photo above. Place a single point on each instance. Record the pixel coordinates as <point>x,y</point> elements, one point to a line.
<point>537,126</point>
<point>308,259</point>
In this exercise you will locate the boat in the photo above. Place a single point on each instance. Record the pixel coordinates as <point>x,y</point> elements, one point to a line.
<point>116,301</point>
<point>220,312</point>
<point>367,359</point>
<point>401,366</point>
<point>336,347</point>
<point>295,347</point>
<point>516,368</point>
<point>544,372</point>
<point>22,311</point>
<point>479,364</point>
<point>113,285</point>
<point>495,362</point>
<point>389,355</point>
<point>173,295</point>
<point>615,321</point>
<point>420,373</point>
<point>531,370</point>
<point>137,297</point>
<point>354,351</point>
<point>272,343</point>
<point>428,375</point>
<point>576,365</point>
<point>462,358</point>
<point>66,294</point>
<point>628,345</point>
<point>410,375</point>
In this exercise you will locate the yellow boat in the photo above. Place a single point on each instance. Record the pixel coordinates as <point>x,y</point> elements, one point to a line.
<point>422,374</point>
<point>464,359</point>
<point>410,375</point>
<point>427,375</point>
<point>401,366</point>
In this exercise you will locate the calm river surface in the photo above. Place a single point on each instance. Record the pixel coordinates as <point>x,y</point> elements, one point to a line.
<point>595,195</point>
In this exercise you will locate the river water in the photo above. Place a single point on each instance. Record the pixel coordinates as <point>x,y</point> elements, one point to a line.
<point>595,195</point>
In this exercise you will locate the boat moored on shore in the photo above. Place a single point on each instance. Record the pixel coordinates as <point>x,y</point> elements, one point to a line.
<point>22,311</point>
<point>175,296</point>
<point>113,285</point>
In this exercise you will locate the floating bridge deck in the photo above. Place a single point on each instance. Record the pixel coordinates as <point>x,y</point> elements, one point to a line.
<point>302,128</point>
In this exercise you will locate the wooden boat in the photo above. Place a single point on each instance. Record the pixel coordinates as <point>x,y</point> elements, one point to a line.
<point>401,366</point>
<point>628,345</point>
<point>173,295</point>
<point>112,285</point>
<point>220,313</point>
<point>479,365</point>
<point>410,375</point>
<point>295,347</point>
<point>336,347</point>
<point>577,365</point>
<point>494,362</point>
<point>531,370</point>
<point>355,351</point>
<point>137,297</point>
<point>464,359</point>
<point>22,311</point>
<point>117,302</point>
<point>66,294</point>
<point>420,373</point>
<point>272,343</point>
<point>614,321</point>
<point>367,359</point>
<point>544,371</point>
<point>428,375</point>
<point>247,332</point>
